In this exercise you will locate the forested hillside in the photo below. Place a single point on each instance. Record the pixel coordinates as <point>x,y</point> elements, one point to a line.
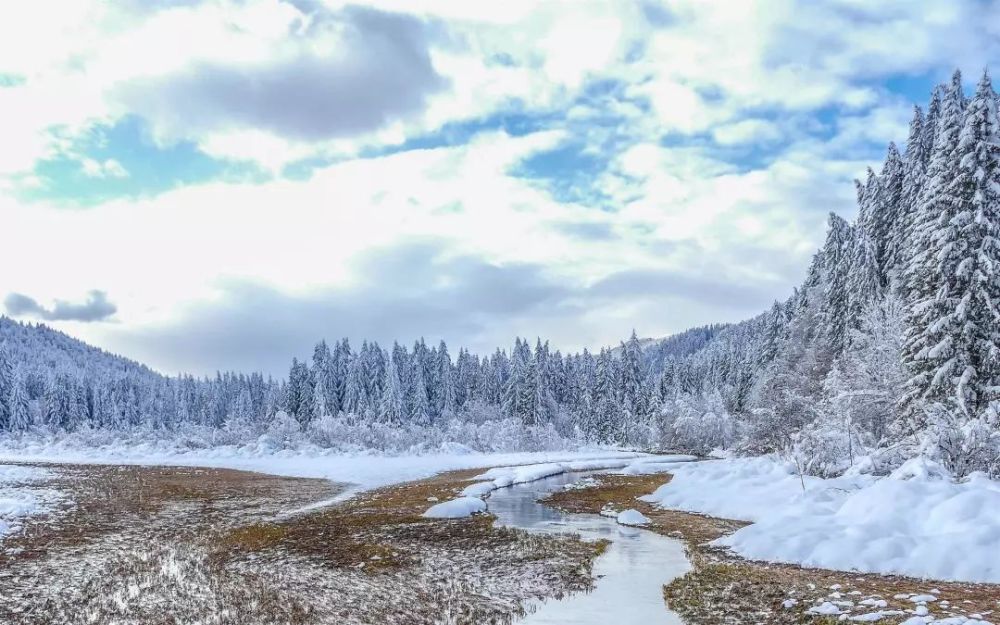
<point>890,347</point>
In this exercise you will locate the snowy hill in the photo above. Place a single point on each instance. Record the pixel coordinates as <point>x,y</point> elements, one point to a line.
<point>39,348</point>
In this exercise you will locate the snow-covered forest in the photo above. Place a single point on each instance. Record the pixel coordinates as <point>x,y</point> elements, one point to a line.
<point>889,348</point>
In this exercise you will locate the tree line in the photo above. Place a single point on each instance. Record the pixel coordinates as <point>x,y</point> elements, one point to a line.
<point>889,348</point>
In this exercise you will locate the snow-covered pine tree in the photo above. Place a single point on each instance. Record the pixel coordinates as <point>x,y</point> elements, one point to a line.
<point>864,278</point>
<point>888,218</point>
<point>914,175</point>
<point>445,395</point>
<point>631,388</point>
<point>970,260</point>
<point>606,405</point>
<point>417,404</point>
<point>834,311</point>
<point>927,352</point>
<point>6,388</point>
<point>391,409</point>
<point>325,392</point>
<point>20,411</point>
<point>355,394</point>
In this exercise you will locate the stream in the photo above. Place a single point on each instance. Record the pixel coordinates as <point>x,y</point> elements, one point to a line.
<point>630,574</point>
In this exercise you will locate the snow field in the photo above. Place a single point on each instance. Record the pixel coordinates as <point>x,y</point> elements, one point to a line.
<point>20,497</point>
<point>916,522</point>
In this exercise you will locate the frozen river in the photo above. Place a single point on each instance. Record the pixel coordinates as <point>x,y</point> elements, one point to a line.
<point>631,573</point>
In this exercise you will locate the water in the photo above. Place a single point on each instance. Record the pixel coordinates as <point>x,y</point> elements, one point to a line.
<point>631,573</point>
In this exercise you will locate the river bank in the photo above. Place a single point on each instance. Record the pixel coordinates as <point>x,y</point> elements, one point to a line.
<point>722,588</point>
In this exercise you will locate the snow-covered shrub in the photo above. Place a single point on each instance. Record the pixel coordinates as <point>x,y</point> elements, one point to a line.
<point>960,443</point>
<point>284,430</point>
<point>867,381</point>
<point>825,448</point>
<point>696,423</point>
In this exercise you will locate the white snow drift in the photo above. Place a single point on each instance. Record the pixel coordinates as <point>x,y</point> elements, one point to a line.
<point>502,477</point>
<point>916,522</point>
<point>456,508</point>
<point>20,498</point>
<point>632,517</point>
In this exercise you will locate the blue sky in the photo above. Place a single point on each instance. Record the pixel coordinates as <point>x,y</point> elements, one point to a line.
<point>307,168</point>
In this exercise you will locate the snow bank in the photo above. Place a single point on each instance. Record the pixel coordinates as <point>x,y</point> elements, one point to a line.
<point>456,508</point>
<point>632,517</point>
<point>19,499</point>
<point>916,522</point>
<point>502,477</point>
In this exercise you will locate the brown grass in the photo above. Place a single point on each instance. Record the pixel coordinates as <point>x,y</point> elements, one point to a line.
<point>215,546</point>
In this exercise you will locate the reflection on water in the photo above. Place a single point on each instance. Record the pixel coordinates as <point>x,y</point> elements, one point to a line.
<point>631,572</point>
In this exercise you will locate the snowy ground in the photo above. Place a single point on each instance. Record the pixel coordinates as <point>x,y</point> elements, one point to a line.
<point>916,522</point>
<point>365,471</point>
<point>21,496</point>
<point>195,545</point>
<point>502,477</point>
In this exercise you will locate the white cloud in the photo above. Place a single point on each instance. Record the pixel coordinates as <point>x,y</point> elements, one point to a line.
<point>667,100</point>
<point>747,131</point>
<point>108,168</point>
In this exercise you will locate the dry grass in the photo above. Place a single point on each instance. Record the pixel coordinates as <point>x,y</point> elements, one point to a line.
<point>722,588</point>
<point>178,545</point>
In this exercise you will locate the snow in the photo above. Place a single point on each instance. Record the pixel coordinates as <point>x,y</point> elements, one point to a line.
<point>20,499</point>
<point>502,477</point>
<point>916,522</point>
<point>826,608</point>
<point>365,470</point>
<point>871,617</point>
<point>456,508</point>
<point>632,517</point>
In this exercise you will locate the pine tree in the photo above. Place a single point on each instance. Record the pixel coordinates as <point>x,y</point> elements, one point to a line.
<point>20,412</point>
<point>836,267</point>
<point>970,260</point>
<point>391,407</point>
<point>417,403</point>
<point>543,408</point>
<point>445,381</point>
<point>631,387</point>
<point>913,182</point>
<point>325,391</point>
<point>605,401</point>
<point>355,396</point>
<point>927,353</point>
<point>519,390</point>
<point>888,245</point>
<point>6,388</point>
<point>864,279</point>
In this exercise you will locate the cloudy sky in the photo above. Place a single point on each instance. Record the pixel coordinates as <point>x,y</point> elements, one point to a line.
<point>203,185</point>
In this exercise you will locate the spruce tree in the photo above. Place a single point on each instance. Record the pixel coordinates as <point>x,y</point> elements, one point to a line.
<point>835,307</point>
<point>20,413</point>
<point>913,182</point>
<point>928,353</point>
<point>888,245</point>
<point>6,388</point>
<point>970,260</point>
<point>391,404</point>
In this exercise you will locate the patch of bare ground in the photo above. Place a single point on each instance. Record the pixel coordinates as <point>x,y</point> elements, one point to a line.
<point>172,545</point>
<point>724,589</point>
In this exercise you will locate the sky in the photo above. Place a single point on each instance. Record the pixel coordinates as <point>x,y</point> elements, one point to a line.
<point>206,185</point>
